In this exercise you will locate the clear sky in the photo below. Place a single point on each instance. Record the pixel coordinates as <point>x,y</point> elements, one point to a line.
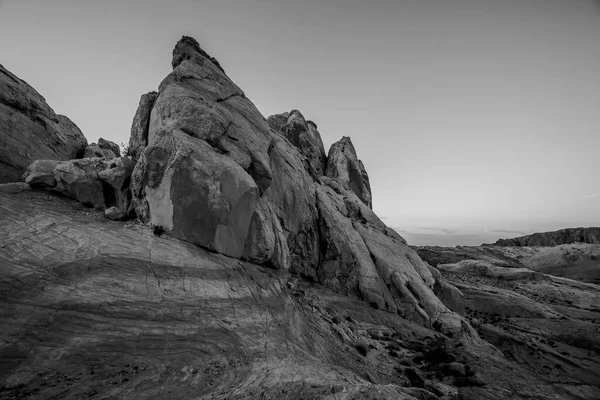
<point>475,119</point>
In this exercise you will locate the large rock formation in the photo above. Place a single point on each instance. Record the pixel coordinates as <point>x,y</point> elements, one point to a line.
<point>562,236</point>
<point>31,130</point>
<point>214,173</point>
<point>96,308</point>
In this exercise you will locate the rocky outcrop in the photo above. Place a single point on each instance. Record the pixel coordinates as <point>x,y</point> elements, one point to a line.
<point>140,125</point>
<point>215,174</point>
<point>137,315</point>
<point>94,182</point>
<point>304,135</point>
<point>31,130</point>
<point>562,236</point>
<point>104,148</point>
<point>344,165</point>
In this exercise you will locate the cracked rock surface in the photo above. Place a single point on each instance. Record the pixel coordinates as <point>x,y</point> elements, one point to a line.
<point>31,130</point>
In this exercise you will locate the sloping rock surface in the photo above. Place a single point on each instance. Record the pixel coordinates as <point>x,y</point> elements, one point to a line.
<point>562,236</point>
<point>30,130</point>
<point>92,308</point>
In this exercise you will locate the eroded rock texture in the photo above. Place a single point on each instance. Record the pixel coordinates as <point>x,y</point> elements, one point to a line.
<point>216,174</point>
<point>344,165</point>
<point>95,182</point>
<point>140,125</point>
<point>31,130</point>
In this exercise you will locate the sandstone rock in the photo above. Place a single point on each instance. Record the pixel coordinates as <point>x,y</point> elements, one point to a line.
<point>304,135</point>
<point>562,236</point>
<point>115,213</point>
<point>12,188</point>
<point>94,150</point>
<point>41,173</point>
<point>31,130</point>
<point>198,99</point>
<point>215,174</point>
<point>95,182</point>
<point>344,165</point>
<point>108,145</point>
<point>139,128</point>
<point>194,192</point>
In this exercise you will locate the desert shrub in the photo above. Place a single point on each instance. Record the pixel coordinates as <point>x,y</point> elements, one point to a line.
<point>393,353</point>
<point>335,320</point>
<point>125,150</point>
<point>158,230</point>
<point>374,305</point>
<point>349,318</point>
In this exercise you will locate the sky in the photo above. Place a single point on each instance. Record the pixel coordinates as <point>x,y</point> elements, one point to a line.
<point>475,119</point>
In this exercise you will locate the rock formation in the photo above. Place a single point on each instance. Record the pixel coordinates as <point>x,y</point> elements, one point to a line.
<point>215,173</point>
<point>104,148</point>
<point>30,130</point>
<point>138,140</point>
<point>344,165</point>
<point>304,135</point>
<point>95,182</point>
<point>258,270</point>
<point>562,236</point>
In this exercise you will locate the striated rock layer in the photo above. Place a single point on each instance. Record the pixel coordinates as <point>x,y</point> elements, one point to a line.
<point>92,308</point>
<point>30,130</point>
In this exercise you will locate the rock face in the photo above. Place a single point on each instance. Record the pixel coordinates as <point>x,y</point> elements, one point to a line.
<point>304,135</point>
<point>216,174</point>
<point>344,165</point>
<point>104,148</point>
<point>562,236</point>
<point>94,182</point>
<point>31,130</point>
<point>141,123</point>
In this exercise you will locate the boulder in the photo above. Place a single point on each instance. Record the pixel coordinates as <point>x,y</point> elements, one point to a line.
<point>139,127</point>
<point>95,182</point>
<point>344,165</point>
<point>31,130</point>
<point>109,145</point>
<point>304,135</point>
<point>194,192</point>
<point>41,173</point>
<point>94,150</point>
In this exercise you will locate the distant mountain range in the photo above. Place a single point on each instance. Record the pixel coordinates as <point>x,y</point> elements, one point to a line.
<point>555,238</point>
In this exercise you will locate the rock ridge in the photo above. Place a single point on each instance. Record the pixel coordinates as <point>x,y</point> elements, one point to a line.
<point>555,238</point>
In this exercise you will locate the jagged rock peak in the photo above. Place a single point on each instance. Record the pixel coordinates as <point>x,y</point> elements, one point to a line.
<point>188,48</point>
<point>304,135</point>
<point>344,165</point>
